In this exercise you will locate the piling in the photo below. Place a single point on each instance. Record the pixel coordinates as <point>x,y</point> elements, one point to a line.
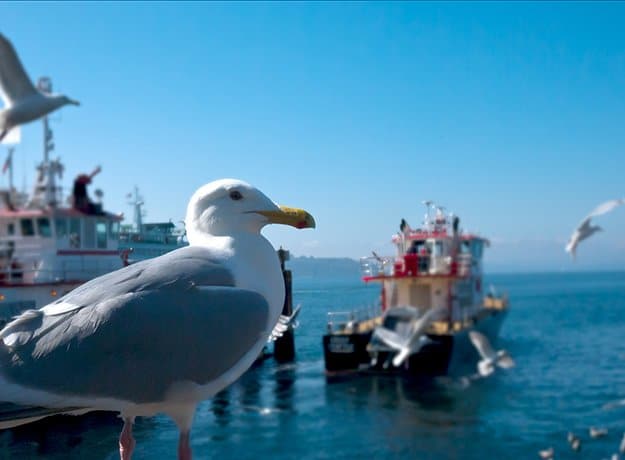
<point>284,347</point>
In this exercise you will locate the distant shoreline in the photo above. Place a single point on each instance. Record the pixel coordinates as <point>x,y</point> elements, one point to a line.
<point>304,266</point>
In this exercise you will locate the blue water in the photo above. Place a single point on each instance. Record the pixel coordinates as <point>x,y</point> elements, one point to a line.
<point>565,331</point>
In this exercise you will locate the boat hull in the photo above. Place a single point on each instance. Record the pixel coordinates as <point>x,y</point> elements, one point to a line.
<point>444,354</point>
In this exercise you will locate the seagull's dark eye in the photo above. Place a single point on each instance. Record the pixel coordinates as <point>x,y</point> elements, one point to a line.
<point>236,195</point>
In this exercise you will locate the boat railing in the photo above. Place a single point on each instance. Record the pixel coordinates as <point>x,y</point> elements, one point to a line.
<point>342,320</point>
<point>415,265</point>
<point>151,237</point>
<point>377,266</point>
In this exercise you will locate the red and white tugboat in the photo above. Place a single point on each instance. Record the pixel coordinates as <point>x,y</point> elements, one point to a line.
<point>432,297</point>
<point>49,244</point>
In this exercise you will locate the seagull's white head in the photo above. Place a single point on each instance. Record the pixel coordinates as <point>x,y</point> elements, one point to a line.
<point>229,206</point>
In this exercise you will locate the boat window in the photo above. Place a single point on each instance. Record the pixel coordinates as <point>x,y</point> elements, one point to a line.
<point>100,229</point>
<point>417,247</point>
<point>437,248</point>
<point>74,233</point>
<point>61,227</point>
<point>43,227</point>
<point>28,227</point>
<point>89,234</point>
<point>477,249</point>
<point>114,230</point>
<point>465,247</point>
<point>11,228</point>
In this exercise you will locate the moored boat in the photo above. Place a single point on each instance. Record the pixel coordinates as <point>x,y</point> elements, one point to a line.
<point>431,298</point>
<point>49,244</point>
<point>140,241</point>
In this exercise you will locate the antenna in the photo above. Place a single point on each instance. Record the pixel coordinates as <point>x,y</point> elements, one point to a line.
<point>429,204</point>
<point>136,203</point>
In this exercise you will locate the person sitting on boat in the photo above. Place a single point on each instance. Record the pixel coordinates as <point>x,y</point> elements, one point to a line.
<point>81,198</point>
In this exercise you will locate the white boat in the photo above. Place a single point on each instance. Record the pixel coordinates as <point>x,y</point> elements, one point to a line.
<point>433,306</point>
<point>140,241</point>
<point>50,243</point>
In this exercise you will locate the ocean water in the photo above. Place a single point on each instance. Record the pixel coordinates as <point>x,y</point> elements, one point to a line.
<point>565,331</point>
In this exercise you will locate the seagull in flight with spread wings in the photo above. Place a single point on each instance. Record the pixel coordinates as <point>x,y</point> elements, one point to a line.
<point>585,229</point>
<point>22,101</point>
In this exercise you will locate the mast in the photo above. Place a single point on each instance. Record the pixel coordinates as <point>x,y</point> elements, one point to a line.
<point>10,167</point>
<point>136,203</point>
<point>46,192</point>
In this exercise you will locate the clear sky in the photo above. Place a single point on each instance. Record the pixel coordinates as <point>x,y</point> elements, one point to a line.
<point>509,114</point>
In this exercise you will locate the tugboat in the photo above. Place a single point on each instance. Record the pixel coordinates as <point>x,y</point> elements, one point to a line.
<point>49,244</point>
<point>434,317</point>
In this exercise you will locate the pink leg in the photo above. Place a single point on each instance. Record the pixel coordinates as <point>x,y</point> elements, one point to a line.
<point>184,447</point>
<point>126,441</point>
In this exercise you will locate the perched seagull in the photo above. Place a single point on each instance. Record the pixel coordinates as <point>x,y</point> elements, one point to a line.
<point>412,343</point>
<point>597,432</point>
<point>584,229</point>
<point>546,454</point>
<point>22,101</point>
<point>490,357</point>
<point>163,334</point>
<point>574,441</point>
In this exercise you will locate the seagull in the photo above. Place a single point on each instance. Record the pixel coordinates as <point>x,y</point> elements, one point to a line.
<point>490,357</point>
<point>22,101</point>
<point>546,454</point>
<point>584,229</point>
<point>574,441</point>
<point>597,432</point>
<point>407,346</point>
<point>163,334</point>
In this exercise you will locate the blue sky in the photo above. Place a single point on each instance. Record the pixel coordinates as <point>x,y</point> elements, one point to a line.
<point>509,114</point>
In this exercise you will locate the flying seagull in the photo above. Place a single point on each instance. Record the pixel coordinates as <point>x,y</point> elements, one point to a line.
<point>490,357</point>
<point>163,334</point>
<point>574,441</point>
<point>22,101</point>
<point>584,229</point>
<point>410,343</point>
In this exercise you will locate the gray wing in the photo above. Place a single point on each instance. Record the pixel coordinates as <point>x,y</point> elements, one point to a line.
<point>606,207</point>
<point>148,326</point>
<point>14,82</point>
<point>482,344</point>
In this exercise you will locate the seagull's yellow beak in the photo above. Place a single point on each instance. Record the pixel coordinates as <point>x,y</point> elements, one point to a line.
<point>294,217</point>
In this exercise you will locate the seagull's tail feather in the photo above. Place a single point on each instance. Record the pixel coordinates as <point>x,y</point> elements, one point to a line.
<point>19,330</point>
